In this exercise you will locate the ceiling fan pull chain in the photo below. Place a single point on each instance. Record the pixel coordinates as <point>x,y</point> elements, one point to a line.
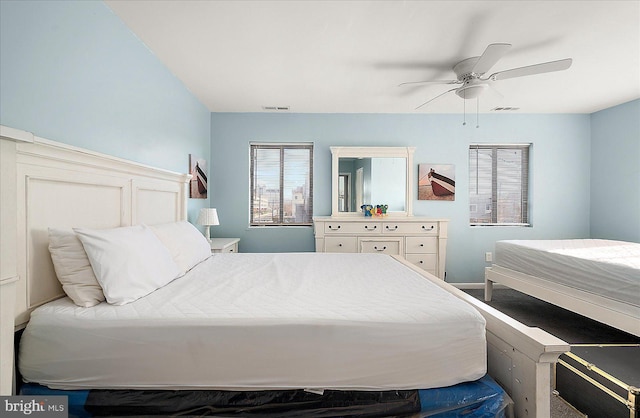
<point>464,108</point>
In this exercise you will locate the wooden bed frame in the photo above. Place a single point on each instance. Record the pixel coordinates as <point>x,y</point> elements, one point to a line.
<point>45,183</point>
<point>620,315</point>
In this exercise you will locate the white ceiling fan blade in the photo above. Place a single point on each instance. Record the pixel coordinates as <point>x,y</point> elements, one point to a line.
<point>546,67</point>
<point>489,57</point>
<point>429,101</point>
<point>430,81</point>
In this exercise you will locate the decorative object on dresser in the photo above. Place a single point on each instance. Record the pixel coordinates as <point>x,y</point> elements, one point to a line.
<point>224,245</point>
<point>208,217</point>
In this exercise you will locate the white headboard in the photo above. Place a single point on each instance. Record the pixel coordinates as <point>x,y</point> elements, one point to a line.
<point>61,186</point>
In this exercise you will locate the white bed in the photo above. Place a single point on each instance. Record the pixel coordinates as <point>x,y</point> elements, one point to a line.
<point>47,184</point>
<point>596,278</point>
<point>265,321</point>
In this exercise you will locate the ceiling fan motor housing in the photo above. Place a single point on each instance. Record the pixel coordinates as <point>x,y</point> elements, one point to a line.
<point>472,86</point>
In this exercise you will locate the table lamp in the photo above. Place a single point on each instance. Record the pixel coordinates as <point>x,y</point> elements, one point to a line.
<point>208,217</point>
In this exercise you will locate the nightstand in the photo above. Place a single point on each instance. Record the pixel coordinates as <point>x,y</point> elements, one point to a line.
<point>224,245</point>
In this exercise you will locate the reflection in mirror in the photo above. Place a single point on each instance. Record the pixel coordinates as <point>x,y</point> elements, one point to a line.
<point>378,180</point>
<point>344,192</point>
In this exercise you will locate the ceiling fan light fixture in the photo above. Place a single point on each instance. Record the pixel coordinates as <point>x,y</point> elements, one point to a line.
<point>471,91</point>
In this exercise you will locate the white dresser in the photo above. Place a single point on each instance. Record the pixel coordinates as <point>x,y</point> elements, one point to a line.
<point>422,241</point>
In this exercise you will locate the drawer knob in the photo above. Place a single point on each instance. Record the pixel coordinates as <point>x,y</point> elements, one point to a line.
<point>421,262</point>
<point>394,228</point>
<point>368,228</point>
<point>380,249</point>
<point>334,228</point>
<point>339,245</point>
<point>422,245</point>
<point>424,227</point>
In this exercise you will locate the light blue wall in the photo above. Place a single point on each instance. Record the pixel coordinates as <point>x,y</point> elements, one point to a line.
<point>560,167</point>
<point>615,172</point>
<point>72,72</point>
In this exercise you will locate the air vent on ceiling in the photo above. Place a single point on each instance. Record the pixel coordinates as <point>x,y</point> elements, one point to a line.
<point>276,108</point>
<point>505,109</point>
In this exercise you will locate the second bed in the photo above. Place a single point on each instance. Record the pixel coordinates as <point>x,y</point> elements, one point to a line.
<point>596,278</point>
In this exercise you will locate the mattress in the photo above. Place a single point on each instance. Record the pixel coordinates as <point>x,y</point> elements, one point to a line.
<point>265,321</point>
<point>603,267</point>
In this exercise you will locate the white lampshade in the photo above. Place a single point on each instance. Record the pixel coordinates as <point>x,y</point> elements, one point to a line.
<point>208,217</point>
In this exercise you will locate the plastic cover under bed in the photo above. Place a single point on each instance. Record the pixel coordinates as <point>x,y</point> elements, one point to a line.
<point>482,398</point>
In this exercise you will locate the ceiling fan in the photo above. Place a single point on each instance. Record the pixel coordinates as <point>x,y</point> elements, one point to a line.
<point>470,72</point>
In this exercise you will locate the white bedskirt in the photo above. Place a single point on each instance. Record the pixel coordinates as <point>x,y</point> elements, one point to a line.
<point>265,321</point>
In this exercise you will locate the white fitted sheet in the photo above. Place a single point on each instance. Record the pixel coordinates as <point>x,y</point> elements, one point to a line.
<point>265,321</point>
<point>603,267</point>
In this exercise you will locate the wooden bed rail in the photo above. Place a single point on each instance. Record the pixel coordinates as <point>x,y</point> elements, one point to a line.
<point>617,314</point>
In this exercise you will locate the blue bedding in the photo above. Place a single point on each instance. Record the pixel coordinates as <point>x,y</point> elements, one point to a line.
<point>478,399</point>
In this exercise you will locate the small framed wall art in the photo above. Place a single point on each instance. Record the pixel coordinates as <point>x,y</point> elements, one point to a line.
<point>436,182</point>
<point>198,171</point>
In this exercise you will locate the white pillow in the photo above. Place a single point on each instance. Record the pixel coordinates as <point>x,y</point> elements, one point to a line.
<point>73,268</point>
<point>129,262</point>
<point>186,244</point>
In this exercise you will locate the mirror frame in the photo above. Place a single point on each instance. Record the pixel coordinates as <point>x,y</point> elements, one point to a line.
<point>371,152</point>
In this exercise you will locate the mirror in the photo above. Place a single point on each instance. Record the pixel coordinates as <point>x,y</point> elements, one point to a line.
<point>372,175</point>
<point>378,180</point>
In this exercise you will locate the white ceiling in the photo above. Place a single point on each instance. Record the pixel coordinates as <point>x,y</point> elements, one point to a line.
<point>350,56</point>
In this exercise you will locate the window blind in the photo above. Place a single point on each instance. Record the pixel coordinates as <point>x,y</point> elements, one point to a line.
<point>499,184</point>
<point>281,184</point>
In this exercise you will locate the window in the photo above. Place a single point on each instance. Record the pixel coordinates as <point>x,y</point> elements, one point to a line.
<point>499,184</point>
<point>281,184</point>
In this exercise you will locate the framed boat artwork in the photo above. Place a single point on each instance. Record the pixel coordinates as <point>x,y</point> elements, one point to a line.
<point>198,171</point>
<point>436,182</point>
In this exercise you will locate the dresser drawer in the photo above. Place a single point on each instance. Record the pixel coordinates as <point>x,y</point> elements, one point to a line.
<point>341,244</point>
<point>422,245</point>
<point>410,227</point>
<point>393,247</point>
<point>352,227</point>
<point>426,262</point>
